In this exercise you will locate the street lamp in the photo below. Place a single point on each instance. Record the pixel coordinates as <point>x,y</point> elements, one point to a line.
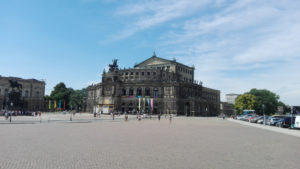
<point>263,107</point>
<point>11,105</point>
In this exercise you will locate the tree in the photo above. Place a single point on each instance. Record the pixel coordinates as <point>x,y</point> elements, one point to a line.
<point>61,92</point>
<point>285,107</point>
<point>76,98</point>
<point>245,101</point>
<point>266,97</point>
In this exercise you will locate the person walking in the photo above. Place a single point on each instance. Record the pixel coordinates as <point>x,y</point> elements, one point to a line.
<point>126,116</point>
<point>6,115</point>
<point>9,114</point>
<point>158,116</point>
<point>170,118</point>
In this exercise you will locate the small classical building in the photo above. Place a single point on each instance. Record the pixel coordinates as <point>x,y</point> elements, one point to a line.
<point>32,93</point>
<point>230,98</point>
<point>153,86</point>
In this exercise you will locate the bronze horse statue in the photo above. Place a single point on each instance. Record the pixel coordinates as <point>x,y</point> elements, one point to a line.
<point>14,84</point>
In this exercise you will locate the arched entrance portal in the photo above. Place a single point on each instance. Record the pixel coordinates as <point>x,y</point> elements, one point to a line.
<point>187,111</point>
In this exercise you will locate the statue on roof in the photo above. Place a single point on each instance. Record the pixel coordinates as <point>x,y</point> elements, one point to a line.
<point>154,54</point>
<point>114,67</point>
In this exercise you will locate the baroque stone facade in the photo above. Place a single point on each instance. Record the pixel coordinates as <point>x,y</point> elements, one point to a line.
<point>32,93</point>
<point>156,85</point>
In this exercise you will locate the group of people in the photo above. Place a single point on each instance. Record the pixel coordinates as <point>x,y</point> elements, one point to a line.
<point>9,113</point>
<point>139,116</point>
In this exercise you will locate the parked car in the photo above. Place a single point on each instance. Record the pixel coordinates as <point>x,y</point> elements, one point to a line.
<point>239,117</point>
<point>297,122</point>
<point>275,119</point>
<point>254,120</point>
<point>261,121</point>
<point>286,122</point>
<point>246,117</point>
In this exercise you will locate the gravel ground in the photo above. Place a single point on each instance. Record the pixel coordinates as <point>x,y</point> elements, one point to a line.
<point>207,143</point>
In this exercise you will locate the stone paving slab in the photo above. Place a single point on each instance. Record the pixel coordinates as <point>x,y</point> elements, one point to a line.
<point>147,144</point>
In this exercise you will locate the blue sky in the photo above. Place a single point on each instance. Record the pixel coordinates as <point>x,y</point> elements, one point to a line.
<point>234,45</point>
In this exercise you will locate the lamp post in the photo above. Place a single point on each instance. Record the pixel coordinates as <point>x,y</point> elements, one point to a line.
<point>11,105</point>
<point>292,111</point>
<point>263,107</point>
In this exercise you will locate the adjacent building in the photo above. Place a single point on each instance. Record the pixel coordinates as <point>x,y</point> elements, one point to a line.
<point>230,98</point>
<point>32,93</point>
<point>227,109</point>
<point>153,86</point>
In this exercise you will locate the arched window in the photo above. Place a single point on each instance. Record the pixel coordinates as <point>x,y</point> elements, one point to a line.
<point>147,91</point>
<point>26,93</point>
<point>139,92</point>
<point>155,92</point>
<point>123,92</point>
<point>131,92</point>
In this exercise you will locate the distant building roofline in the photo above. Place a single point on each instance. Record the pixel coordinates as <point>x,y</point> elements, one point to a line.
<point>21,79</point>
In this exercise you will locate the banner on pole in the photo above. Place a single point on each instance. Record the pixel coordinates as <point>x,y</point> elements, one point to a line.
<point>151,103</point>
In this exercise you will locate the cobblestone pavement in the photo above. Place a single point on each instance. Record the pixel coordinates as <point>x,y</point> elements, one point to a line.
<point>207,143</point>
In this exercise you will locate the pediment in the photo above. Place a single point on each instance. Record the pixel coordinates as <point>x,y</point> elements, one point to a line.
<point>153,61</point>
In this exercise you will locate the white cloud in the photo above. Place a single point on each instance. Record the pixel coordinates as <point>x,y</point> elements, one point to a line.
<point>234,46</point>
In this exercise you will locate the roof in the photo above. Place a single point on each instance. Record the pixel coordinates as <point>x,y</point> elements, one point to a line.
<point>21,79</point>
<point>161,59</point>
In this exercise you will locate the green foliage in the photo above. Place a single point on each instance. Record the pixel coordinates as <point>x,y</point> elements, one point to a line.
<point>61,92</point>
<point>245,101</point>
<point>76,98</point>
<point>267,98</point>
<point>286,108</point>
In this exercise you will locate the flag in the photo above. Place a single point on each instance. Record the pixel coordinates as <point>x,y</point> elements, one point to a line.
<point>148,101</point>
<point>59,103</point>
<point>54,104</point>
<point>49,104</point>
<point>64,104</point>
<point>151,103</point>
<point>139,104</point>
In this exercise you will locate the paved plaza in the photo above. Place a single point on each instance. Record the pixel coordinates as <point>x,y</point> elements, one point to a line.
<point>185,143</point>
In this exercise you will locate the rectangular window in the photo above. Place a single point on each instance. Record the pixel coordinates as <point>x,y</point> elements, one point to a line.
<point>126,73</point>
<point>6,92</point>
<point>136,73</point>
<point>154,73</point>
<point>148,73</point>
<point>143,73</point>
<point>131,73</point>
